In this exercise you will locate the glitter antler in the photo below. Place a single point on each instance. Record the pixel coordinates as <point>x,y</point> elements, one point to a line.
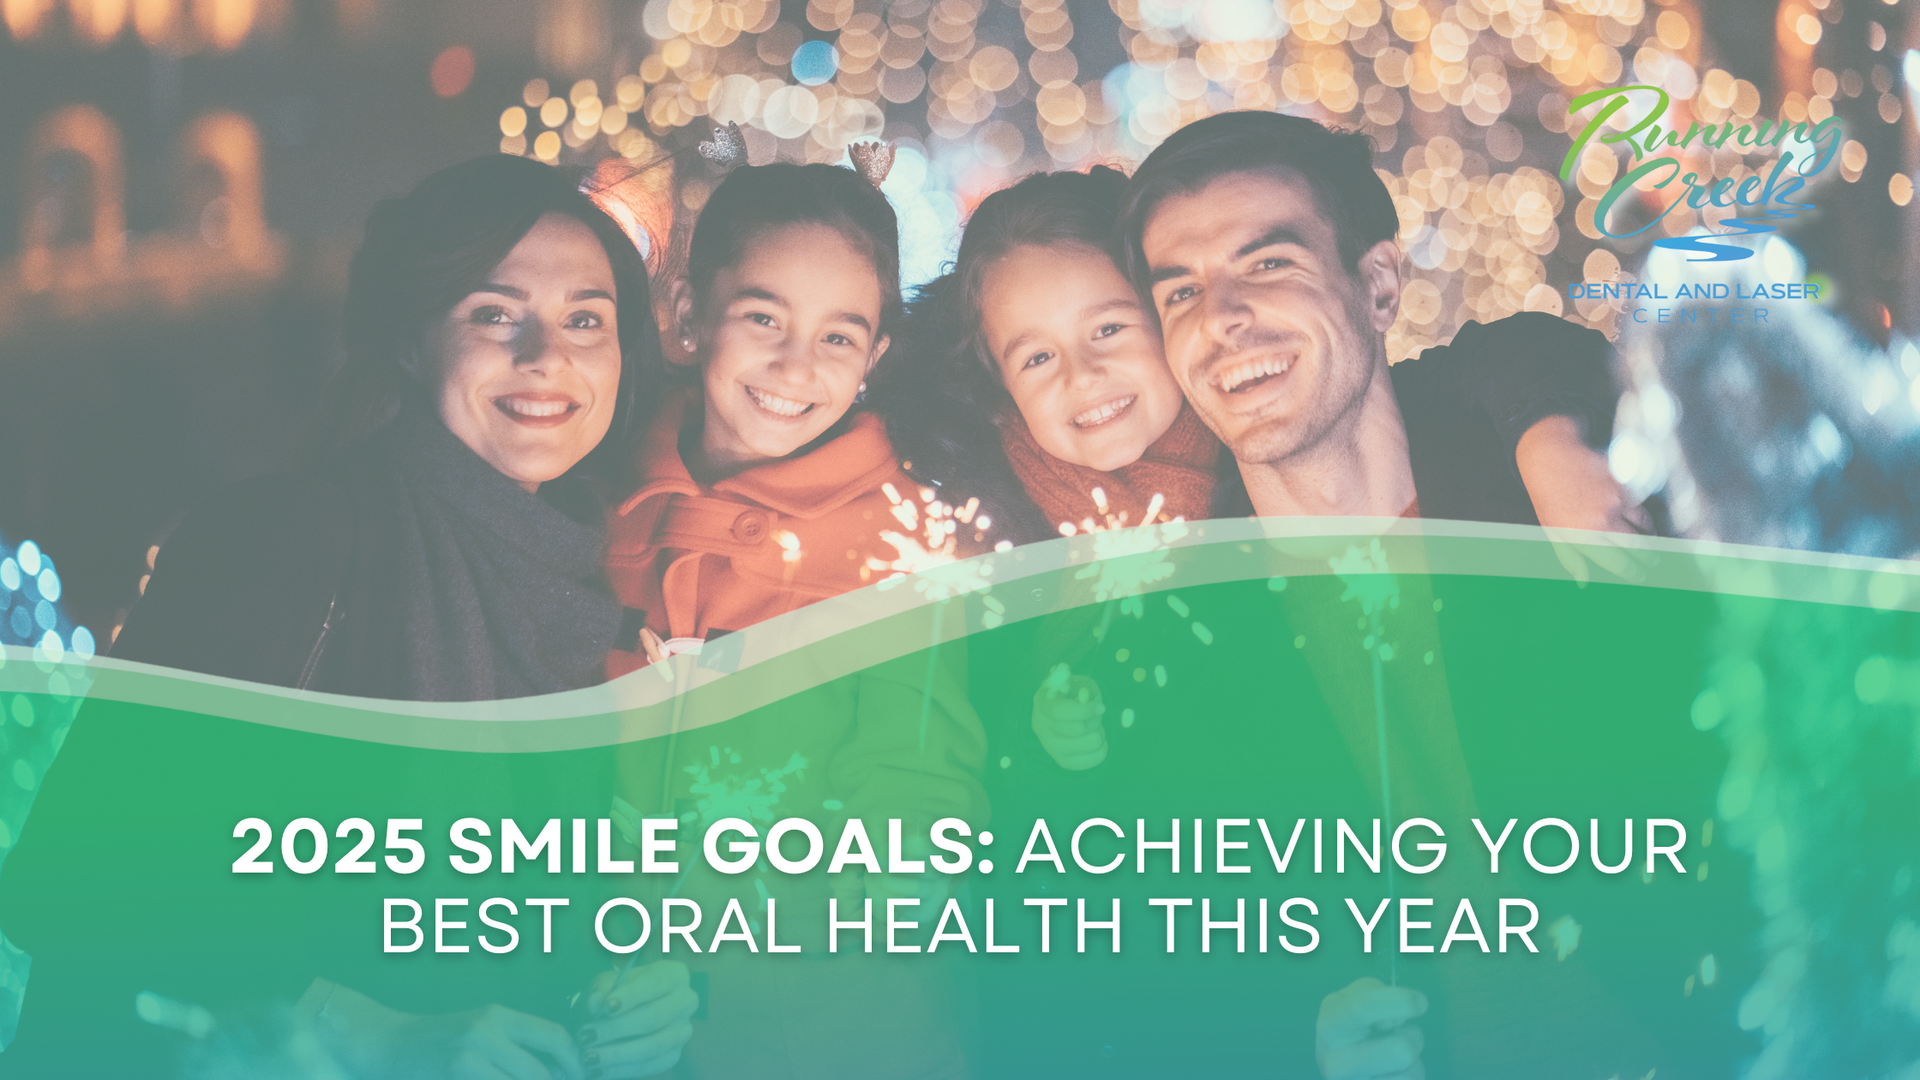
<point>727,148</point>
<point>873,160</point>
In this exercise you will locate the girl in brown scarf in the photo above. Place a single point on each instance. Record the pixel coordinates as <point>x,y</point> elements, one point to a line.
<point>1052,366</point>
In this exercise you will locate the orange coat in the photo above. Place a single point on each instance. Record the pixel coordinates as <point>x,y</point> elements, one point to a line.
<point>771,539</point>
<point>898,740</point>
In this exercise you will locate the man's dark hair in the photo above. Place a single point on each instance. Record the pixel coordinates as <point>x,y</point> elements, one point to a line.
<point>1337,167</point>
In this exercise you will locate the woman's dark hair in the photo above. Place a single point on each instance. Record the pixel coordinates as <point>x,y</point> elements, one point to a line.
<point>425,251</point>
<point>756,199</point>
<point>1048,209</point>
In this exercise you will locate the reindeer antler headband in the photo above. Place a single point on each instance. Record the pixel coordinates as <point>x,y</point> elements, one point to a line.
<point>873,160</point>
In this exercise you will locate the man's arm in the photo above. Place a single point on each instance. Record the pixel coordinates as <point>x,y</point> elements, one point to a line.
<point>1570,483</point>
<point>1547,386</point>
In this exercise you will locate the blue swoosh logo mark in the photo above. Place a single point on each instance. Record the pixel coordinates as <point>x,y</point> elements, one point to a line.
<point>1710,248</point>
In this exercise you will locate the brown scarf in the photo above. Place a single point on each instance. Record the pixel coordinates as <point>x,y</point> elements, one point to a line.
<point>1179,467</point>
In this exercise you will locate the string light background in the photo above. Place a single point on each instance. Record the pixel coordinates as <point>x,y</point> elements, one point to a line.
<point>1466,103</point>
<point>304,112</point>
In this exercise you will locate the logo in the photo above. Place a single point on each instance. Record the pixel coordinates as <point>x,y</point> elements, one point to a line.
<point>1805,150</point>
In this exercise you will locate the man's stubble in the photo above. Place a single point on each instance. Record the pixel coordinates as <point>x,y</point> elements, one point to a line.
<point>1330,421</point>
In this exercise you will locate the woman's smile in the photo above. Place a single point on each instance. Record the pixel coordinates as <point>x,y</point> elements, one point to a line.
<point>528,364</point>
<point>537,410</point>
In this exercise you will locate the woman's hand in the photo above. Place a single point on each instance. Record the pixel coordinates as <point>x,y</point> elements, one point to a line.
<point>1363,1033</point>
<point>641,1019</point>
<point>1067,718</point>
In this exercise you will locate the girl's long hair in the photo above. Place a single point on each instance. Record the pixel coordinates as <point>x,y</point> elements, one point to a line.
<point>942,410</point>
<point>754,200</point>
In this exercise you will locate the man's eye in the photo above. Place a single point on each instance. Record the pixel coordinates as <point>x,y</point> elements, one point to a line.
<point>1181,294</point>
<point>584,320</point>
<point>1273,262</point>
<point>1036,360</point>
<point>1109,329</point>
<point>490,315</point>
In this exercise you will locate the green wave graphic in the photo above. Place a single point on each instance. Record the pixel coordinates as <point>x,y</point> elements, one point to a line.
<point>903,615</point>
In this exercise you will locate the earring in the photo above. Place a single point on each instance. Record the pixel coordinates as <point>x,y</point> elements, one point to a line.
<point>687,343</point>
<point>860,395</point>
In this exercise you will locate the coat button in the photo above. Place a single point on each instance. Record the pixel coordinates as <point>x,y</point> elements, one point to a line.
<point>750,527</point>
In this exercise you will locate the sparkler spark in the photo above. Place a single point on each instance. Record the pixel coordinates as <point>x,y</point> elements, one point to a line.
<point>751,797</point>
<point>1127,561</point>
<point>1108,521</point>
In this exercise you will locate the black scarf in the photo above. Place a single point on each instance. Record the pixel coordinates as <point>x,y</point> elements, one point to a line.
<point>493,591</point>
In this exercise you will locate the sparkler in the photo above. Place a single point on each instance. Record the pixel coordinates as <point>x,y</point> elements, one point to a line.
<point>1370,582</point>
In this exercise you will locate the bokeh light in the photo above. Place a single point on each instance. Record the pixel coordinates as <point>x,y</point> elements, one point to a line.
<point>814,63</point>
<point>452,71</point>
<point>30,611</point>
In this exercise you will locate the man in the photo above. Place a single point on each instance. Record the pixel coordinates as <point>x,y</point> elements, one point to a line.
<point>1267,246</point>
<point>1266,243</point>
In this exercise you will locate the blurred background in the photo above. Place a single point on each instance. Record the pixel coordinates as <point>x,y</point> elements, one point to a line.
<point>183,181</point>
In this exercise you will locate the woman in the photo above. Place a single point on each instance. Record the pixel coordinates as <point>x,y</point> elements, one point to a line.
<point>765,487</point>
<point>445,546</point>
<point>499,342</point>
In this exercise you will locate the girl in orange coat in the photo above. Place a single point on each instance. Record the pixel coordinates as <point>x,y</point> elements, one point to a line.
<point>764,488</point>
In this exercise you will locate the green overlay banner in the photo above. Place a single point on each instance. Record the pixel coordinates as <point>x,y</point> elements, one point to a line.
<point>1143,803</point>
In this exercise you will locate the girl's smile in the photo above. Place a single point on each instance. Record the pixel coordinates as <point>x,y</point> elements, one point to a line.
<point>1078,354</point>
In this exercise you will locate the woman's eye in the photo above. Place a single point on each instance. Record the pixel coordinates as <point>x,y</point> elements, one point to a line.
<point>1109,330</point>
<point>490,315</point>
<point>584,320</point>
<point>1036,360</point>
<point>839,340</point>
<point>759,318</point>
